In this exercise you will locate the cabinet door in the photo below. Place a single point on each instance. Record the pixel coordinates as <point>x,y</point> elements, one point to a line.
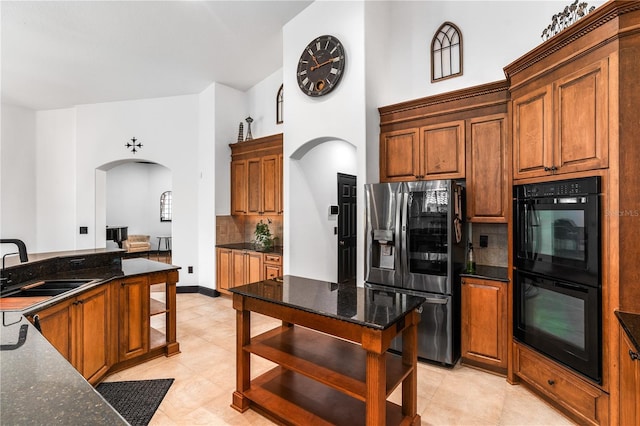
<point>224,268</point>
<point>270,184</point>
<point>399,155</point>
<point>57,327</point>
<point>581,132</point>
<point>133,315</point>
<point>629,382</point>
<point>532,149</point>
<point>237,268</point>
<point>239,187</point>
<point>487,169</point>
<point>253,267</point>
<point>484,323</point>
<point>254,186</point>
<point>94,345</point>
<point>442,153</point>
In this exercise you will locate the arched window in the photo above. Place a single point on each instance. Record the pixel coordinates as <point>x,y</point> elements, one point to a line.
<point>446,52</point>
<point>279,104</point>
<point>165,207</point>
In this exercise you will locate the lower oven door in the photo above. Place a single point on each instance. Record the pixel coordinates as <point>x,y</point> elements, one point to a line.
<point>560,319</point>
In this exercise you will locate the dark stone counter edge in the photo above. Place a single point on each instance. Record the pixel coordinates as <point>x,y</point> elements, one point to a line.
<point>251,247</point>
<point>495,273</point>
<point>130,268</point>
<point>631,325</point>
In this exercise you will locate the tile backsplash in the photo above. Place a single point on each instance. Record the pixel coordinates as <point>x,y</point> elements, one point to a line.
<point>496,253</point>
<point>240,229</point>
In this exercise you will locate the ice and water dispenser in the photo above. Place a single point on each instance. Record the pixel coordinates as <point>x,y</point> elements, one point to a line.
<point>383,249</point>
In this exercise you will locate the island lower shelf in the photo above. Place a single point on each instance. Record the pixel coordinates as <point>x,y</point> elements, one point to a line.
<point>333,362</point>
<point>285,394</point>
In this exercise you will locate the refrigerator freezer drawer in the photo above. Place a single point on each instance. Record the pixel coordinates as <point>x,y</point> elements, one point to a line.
<point>437,335</point>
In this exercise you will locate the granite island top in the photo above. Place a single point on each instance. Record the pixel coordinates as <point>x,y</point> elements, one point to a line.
<point>39,386</point>
<point>372,308</point>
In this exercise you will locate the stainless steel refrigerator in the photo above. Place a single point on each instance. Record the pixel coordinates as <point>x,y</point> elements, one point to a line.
<point>415,243</point>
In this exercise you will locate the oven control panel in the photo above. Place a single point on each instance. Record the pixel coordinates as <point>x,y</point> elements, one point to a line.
<point>582,186</point>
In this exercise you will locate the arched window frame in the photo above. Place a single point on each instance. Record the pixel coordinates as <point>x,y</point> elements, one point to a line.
<point>166,208</point>
<point>280,105</point>
<point>446,46</point>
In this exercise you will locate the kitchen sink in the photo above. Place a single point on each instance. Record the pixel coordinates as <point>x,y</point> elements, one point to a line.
<point>47,288</point>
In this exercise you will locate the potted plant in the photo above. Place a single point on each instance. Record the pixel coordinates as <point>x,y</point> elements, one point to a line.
<point>264,240</point>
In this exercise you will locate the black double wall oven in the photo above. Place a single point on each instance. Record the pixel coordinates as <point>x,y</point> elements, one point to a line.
<point>557,291</point>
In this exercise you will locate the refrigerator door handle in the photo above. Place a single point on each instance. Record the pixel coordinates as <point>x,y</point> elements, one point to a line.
<point>402,219</point>
<point>435,301</point>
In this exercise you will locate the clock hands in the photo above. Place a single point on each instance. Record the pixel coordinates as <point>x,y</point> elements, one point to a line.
<point>322,64</point>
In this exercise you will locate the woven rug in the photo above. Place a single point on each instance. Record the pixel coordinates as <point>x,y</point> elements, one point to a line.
<point>137,400</point>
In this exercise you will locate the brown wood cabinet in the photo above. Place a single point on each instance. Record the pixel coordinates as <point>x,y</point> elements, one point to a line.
<point>256,176</point>
<point>488,172</point>
<point>629,382</point>
<point>133,317</point>
<point>484,335</point>
<point>246,267</point>
<point>429,152</point>
<point>563,126</point>
<point>115,325</point>
<point>580,399</point>
<point>82,330</point>
<point>224,267</point>
<point>272,266</point>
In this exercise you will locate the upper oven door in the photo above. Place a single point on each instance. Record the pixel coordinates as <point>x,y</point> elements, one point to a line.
<point>559,237</point>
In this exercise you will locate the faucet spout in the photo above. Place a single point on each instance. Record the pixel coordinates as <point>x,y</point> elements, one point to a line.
<point>22,248</point>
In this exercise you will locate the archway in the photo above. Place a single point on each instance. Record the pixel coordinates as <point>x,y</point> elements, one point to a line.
<point>131,192</point>
<point>312,190</point>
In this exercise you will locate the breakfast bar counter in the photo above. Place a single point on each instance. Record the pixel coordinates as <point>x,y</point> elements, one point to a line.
<point>331,350</point>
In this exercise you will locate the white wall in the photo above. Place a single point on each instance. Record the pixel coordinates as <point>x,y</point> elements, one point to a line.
<point>308,121</point>
<point>494,34</point>
<point>133,199</point>
<point>56,195</point>
<point>262,106</point>
<point>18,177</point>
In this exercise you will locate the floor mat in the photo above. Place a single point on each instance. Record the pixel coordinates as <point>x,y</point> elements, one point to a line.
<point>137,400</point>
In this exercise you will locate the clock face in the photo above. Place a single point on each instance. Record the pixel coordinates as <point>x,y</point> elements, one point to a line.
<point>321,66</point>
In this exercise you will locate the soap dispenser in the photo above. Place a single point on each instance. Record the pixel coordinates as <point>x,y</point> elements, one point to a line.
<point>471,262</point>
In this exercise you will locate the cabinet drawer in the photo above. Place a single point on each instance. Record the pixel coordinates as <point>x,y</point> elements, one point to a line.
<point>273,258</point>
<point>582,400</point>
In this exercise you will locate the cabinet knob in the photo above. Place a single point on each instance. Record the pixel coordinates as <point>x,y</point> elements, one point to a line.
<point>634,355</point>
<point>551,382</point>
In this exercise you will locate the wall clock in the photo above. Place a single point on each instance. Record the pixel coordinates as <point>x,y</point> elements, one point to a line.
<point>321,66</point>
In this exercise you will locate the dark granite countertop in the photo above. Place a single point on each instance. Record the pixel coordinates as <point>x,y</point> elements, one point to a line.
<point>39,387</point>
<point>486,272</point>
<point>346,302</point>
<point>631,325</point>
<point>249,246</point>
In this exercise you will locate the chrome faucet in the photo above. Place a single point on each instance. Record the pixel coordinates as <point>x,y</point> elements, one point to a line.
<point>22,252</point>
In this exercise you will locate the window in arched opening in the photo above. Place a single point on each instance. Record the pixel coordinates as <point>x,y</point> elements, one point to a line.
<point>279,104</point>
<point>446,52</point>
<point>165,207</point>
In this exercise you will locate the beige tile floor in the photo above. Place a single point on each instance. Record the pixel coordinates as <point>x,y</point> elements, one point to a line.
<point>204,375</point>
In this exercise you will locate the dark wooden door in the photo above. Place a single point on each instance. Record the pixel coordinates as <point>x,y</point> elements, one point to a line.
<point>347,232</point>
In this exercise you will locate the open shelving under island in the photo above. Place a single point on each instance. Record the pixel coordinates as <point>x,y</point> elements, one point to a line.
<point>331,350</point>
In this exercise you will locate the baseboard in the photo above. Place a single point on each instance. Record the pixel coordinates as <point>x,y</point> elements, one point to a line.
<point>197,289</point>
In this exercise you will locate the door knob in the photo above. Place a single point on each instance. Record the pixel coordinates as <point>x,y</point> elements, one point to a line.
<point>341,243</point>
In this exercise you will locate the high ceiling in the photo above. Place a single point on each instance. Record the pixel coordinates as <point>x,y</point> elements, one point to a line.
<point>56,54</point>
